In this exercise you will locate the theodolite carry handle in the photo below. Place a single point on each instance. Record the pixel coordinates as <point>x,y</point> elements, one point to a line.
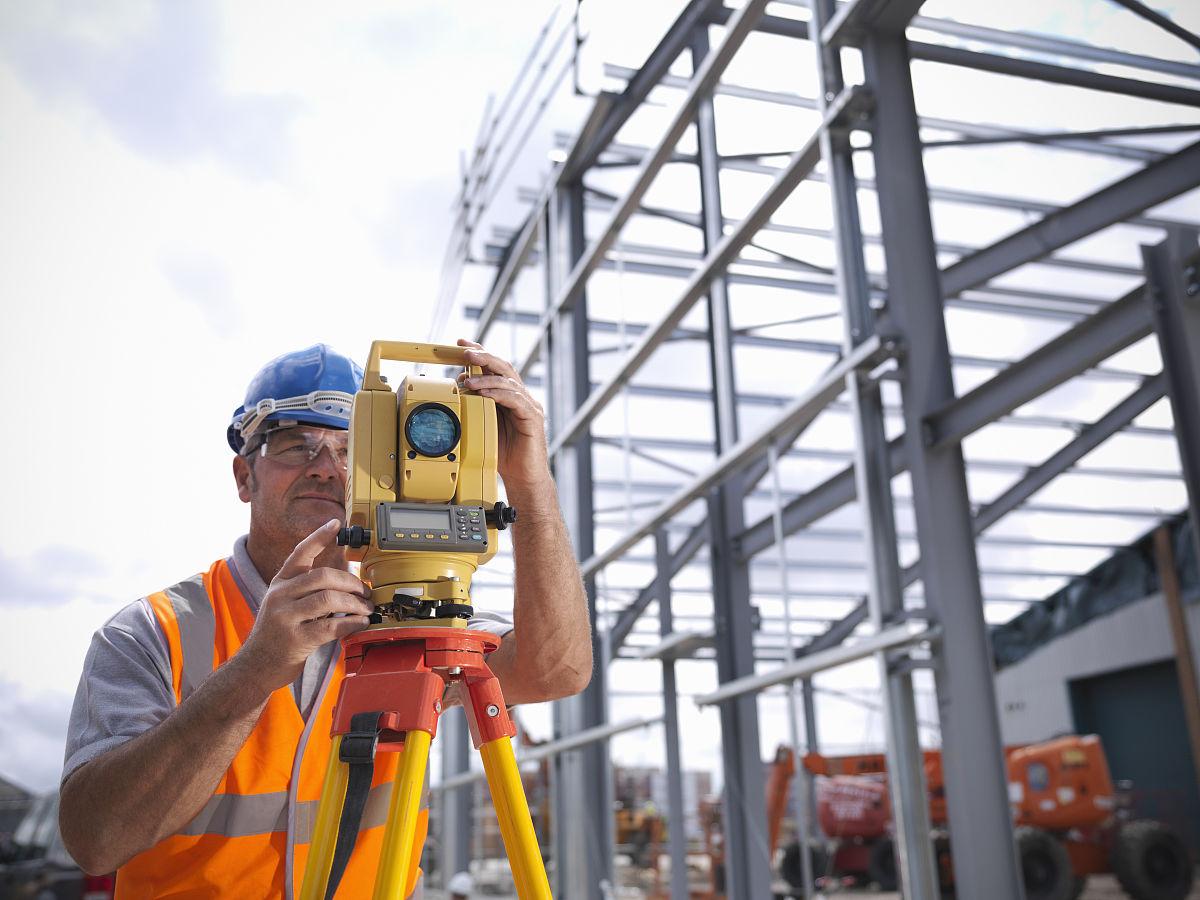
<point>401,351</point>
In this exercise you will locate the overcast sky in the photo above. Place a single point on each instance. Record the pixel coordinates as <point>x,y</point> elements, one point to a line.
<point>188,189</point>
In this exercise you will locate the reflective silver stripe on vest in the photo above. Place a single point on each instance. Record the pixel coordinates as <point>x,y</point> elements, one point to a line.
<point>241,815</point>
<point>197,630</point>
<point>374,814</point>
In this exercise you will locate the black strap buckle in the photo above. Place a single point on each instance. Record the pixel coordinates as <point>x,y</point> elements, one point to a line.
<point>359,743</point>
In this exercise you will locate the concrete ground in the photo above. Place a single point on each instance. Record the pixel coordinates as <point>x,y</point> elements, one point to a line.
<point>1099,887</point>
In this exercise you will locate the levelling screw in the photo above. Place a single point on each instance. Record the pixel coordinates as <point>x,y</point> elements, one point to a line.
<point>493,710</point>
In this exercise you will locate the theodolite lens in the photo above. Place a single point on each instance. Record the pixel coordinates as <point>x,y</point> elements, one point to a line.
<point>432,429</point>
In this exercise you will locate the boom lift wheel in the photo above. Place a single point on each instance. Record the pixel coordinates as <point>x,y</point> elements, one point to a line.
<point>1151,862</point>
<point>1045,865</point>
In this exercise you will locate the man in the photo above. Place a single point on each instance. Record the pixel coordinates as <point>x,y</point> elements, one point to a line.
<point>199,734</point>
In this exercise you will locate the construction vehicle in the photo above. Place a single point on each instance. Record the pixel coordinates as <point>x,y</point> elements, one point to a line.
<point>1065,810</point>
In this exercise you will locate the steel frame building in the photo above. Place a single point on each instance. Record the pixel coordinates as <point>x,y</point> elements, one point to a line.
<point>894,330</point>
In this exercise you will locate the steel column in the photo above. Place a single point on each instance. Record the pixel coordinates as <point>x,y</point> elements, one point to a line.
<point>457,825</point>
<point>676,838</point>
<point>985,861</point>
<point>583,823</point>
<point>1173,287</point>
<point>873,476</point>
<point>747,865</point>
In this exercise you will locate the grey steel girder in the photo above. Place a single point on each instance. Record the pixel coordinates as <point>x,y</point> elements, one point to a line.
<point>740,27</point>
<point>1090,342</point>
<point>1173,278</point>
<point>1152,185</point>
<point>715,262</point>
<point>985,860</point>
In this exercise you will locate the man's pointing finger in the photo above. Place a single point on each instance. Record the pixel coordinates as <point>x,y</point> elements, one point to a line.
<point>301,559</point>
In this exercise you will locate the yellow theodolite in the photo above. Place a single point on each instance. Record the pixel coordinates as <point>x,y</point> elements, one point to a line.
<point>422,516</point>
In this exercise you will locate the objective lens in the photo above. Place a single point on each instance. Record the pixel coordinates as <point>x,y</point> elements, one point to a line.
<point>432,429</point>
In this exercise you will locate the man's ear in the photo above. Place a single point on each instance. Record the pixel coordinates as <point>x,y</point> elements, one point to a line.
<point>243,475</point>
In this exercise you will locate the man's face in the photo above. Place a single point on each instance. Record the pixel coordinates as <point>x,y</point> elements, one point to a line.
<point>294,482</point>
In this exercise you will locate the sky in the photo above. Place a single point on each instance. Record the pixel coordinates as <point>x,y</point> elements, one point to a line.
<point>189,189</point>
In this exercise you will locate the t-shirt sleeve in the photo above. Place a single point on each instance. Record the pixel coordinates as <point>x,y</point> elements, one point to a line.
<point>491,622</point>
<point>125,689</point>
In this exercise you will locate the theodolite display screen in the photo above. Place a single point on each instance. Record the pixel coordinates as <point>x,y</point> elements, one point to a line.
<point>419,518</point>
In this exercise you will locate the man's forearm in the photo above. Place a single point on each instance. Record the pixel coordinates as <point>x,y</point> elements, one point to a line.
<point>132,797</point>
<point>549,653</point>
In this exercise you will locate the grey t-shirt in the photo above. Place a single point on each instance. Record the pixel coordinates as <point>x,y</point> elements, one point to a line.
<point>126,687</point>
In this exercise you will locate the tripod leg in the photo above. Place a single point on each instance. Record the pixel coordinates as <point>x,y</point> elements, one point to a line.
<point>512,814</point>
<point>325,829</point>
<point>403,809</point>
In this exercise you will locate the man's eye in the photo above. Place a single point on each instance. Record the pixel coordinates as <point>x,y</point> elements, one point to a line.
<point>294,450</point>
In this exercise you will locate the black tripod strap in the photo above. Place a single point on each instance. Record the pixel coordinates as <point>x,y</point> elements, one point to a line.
<point>358,752</point>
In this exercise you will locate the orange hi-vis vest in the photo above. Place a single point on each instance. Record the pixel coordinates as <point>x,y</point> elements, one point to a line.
<point>251,838</point>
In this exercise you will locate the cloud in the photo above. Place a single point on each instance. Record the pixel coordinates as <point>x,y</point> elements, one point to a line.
<point>205,282</point>
<point>33,734</point>
<point>51,576</point>
<point>156,86</point>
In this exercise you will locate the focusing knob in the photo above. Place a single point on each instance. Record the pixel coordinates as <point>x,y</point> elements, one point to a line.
<point>355,537</point>
<point>500,516</point>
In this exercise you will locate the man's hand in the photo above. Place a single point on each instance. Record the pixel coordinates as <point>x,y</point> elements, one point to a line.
<point>297,613</point>
<point>522,459</point>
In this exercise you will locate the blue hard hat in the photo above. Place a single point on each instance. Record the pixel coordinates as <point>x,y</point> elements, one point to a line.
<point>315,386</point>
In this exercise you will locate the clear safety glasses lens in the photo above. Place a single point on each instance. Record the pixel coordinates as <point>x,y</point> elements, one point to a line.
<point>295,448</point>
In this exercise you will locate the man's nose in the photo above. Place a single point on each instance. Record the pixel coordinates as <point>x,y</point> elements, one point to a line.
<point>326,464</point>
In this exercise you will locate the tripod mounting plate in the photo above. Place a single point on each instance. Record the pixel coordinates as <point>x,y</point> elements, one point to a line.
<point>403,672</point>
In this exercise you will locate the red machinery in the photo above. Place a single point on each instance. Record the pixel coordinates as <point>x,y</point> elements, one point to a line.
<point>1063,806</point>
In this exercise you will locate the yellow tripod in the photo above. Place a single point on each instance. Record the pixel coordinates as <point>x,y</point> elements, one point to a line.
<point>390,700</point>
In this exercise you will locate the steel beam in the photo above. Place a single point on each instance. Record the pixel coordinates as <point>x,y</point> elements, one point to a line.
<point>1052,74</point>
<point>1089,438</point>
<point>798,413</point>
<point>904,635</point>
<point>748,339</point>
<point>555,749</point>
<point>747,861</point>
<point>691,545</point>
<point>1173,276</point>
<point>701,85</point>
<point>1161,21</point>
<point>638,88</point>
<point>456,822</point>
<point>854,17</point>
<point>583,842</point>
<point>1090,342</point>
<point>885,597</point>
<point>1045,72</point>
<point>968,129</point>
<point>676,840</point>
<point>985,861</point>
<point>827,497</point>
<point>525,240</point>
<point>1152,185</point>
<point>716,260</point>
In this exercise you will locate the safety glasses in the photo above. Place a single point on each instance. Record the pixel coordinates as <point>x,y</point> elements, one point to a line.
<point>296,447</point>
